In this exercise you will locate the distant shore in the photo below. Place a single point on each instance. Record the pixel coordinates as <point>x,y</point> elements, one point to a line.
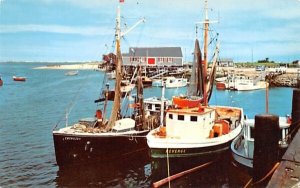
<point>79,66</point>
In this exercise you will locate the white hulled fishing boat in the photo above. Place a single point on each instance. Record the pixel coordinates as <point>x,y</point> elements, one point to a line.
<point>192,128</point>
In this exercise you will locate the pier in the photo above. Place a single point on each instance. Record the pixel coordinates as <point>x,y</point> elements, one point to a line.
<point>288,172</point>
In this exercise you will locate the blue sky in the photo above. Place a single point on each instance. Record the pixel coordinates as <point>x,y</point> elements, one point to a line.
<point>83,30</point>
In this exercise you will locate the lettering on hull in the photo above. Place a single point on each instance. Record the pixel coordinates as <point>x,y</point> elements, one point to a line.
<point>175,151</point>
<point>71,138</point>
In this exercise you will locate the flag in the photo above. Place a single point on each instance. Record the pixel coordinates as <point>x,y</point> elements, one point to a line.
<point>121,1</point>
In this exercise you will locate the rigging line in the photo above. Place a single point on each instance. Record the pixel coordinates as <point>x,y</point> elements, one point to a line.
<point>72,104</point>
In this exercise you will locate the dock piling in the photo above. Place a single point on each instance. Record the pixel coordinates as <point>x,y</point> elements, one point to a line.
<point>295,112</point>
<point>266,150</point>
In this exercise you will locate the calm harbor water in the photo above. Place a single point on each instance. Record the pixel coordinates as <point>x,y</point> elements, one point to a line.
<point>29,111</point>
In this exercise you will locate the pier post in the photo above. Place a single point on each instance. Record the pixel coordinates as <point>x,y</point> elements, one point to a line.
<point>266,137</point>
<point>295,112</point>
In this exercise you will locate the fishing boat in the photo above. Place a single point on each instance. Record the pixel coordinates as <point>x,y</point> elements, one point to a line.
<point>173,82</point>
<point>157,82</point>
<point>72,73</point>
<point>100,139</point>
<point>111,74</point>
<point>242,147</point>
<point>196,131</point>
<point>153,104</point>
<point>147,82</point>
<point>19,79</point>
<point>241,82</point>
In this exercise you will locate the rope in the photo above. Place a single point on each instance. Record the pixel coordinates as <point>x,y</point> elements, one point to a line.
<point>264,178</point>
<point>168,167</point>
<point>180,174</point>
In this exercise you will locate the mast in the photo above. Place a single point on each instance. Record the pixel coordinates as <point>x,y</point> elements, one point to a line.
<point>206,25</point>
<point>116,109</point>
<point>115,113</point>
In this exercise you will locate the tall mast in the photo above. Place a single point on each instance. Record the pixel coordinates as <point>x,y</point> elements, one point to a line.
<point>115,113</point>
<point>206,25</point>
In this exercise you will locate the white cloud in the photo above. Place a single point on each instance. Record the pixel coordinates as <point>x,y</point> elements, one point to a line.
<point>82,30</point>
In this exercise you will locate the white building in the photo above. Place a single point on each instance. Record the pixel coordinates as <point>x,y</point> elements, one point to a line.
<point>153,56</point>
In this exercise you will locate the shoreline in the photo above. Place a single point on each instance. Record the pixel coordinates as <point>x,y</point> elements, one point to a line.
<point>79,66</point>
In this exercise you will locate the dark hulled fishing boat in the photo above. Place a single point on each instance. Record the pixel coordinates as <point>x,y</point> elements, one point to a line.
<point>100,139</point>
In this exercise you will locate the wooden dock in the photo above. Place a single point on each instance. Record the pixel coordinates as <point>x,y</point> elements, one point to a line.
<point>288,172</point>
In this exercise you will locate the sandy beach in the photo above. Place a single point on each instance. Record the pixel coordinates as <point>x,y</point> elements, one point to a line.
<point>79,66</point>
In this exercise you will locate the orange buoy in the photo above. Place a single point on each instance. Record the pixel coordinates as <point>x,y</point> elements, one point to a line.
<point>99,114</point>
<point>211,133</point>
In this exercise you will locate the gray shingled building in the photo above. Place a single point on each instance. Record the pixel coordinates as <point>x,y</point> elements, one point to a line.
<point>153,56</point>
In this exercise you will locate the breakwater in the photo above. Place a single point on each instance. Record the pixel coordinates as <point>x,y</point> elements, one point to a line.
<point>289,78</point>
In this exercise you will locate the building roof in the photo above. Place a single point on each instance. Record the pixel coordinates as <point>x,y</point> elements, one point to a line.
<point>154,52</point>
<point>226,59</point>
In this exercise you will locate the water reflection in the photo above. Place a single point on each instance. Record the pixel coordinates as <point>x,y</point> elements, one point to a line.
<point>220,173</point>
<point>141,171</point>
<point>134,171</point>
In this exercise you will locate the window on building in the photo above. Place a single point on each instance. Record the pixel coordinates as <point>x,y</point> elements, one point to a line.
<point>181,117</point>
<point>170,116</point>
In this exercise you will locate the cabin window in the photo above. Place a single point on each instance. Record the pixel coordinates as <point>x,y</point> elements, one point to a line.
<point>170,116</point>
<point>181,117</point>
<point>157,107</point>
<point>193,118</point>
<point>252,132</point>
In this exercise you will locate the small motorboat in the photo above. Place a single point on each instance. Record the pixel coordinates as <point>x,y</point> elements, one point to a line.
<point>172,82</point>
<point>242,147</point>
<point>1,81</point>
<point>19,79</point>
<point>71,73</point>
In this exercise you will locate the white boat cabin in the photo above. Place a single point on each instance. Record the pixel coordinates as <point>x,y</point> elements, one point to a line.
<point>190,123</point>
<point>153,105</point>
<point>249,132</point>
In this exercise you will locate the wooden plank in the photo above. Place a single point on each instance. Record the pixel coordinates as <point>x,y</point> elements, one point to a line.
<point>288,172</point>
<point>293,152</point>
<point>287,175</point>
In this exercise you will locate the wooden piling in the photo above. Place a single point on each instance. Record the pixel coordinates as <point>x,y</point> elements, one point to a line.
<point>266,137</point>
<point>295,112</point>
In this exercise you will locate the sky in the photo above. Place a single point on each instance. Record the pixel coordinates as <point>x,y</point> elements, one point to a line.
<point>83,30</point>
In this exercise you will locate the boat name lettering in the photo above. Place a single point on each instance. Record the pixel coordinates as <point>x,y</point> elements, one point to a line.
<point>71,138</point>
<point>175,151</point>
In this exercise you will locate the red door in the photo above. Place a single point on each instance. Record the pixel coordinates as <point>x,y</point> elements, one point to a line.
<point>151,61</point>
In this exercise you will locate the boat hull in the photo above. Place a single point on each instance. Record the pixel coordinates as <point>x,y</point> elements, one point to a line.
<point>239,154</point>
<point>186,102</point>
<point>220,86</point>
<point>207,151</point>
<point>80,149</point>
<point>19,79</point>
<point>173,165</point>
